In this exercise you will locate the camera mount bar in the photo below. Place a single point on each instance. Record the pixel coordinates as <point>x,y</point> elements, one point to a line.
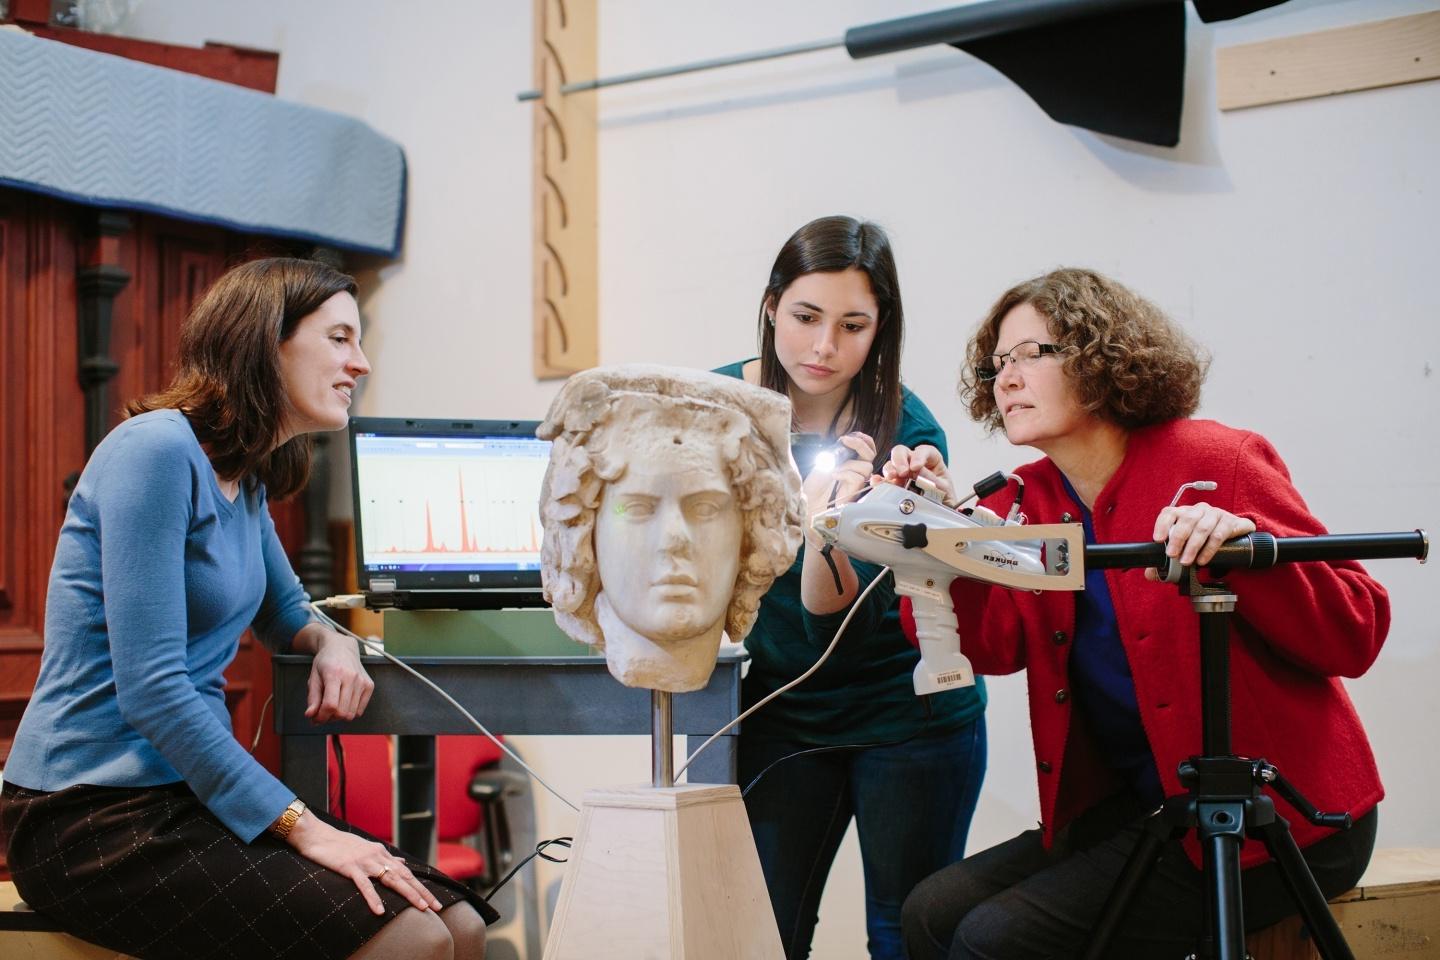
<point>1224,803</point>
<point>1261,551</point>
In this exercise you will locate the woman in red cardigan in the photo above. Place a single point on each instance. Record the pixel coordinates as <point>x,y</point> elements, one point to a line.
<point>1101,382</point>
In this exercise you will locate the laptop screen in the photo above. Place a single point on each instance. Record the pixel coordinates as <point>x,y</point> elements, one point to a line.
<point>447,504</point>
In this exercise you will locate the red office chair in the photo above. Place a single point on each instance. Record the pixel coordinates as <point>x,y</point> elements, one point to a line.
<point>470,793</point>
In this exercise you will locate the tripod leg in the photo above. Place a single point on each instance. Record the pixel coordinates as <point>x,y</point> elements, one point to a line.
<point>1158,829</point>
<point>1222,829</point>
<point>1329,941</point>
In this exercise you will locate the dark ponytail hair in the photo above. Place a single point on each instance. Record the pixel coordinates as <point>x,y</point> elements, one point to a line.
<point>830,245</point>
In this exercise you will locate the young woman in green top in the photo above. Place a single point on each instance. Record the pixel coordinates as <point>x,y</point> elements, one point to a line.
<point>907,771</point>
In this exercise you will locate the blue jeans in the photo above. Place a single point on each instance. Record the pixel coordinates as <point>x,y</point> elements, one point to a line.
<point>912,804</point>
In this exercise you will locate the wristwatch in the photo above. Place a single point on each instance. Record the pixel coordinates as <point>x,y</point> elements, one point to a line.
<point>281,828</point>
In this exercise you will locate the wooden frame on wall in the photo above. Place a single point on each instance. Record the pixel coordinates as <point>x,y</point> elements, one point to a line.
<point>1362,56</point>
<point>566,243</point>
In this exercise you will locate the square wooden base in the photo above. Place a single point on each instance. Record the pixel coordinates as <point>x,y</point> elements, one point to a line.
<point>668,873</point>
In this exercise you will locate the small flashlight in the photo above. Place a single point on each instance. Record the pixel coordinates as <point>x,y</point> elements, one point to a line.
<point>813,453</point>
<point>831,457</point>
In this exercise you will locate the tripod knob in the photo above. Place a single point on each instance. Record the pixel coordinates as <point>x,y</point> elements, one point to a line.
<point>1286,789</point>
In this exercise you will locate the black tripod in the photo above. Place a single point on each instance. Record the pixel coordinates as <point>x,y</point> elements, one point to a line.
<point>1225,803</point>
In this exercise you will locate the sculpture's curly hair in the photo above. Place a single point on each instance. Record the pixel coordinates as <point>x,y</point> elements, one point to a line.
<point>1129,363</point>
<point>763,478</point>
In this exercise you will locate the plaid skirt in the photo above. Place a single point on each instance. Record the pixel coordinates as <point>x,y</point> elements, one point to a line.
<point>151,872</point>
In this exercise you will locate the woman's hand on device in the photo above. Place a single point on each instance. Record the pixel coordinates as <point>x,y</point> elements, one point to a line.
<point>825,488</point>
<point>1194,532</point>
<point>924,463</point>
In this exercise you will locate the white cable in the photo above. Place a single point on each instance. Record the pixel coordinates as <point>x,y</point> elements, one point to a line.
<point>260,724</point>
<point>377,648</point>
<point>798,680</point>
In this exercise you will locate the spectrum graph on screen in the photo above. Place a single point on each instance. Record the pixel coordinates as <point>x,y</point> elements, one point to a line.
<point>448,503</point>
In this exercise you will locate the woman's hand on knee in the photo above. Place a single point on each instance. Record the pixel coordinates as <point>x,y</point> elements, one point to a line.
<point>365,862</point>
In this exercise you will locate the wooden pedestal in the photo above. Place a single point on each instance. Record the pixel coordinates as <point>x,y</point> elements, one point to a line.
<point>1394,912</point>
<point>664,873</point>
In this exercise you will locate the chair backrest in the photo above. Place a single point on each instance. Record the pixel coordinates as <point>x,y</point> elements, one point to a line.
<point>370,796</point>
<point>456,759</point>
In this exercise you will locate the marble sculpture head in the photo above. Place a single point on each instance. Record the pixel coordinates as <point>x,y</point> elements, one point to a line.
<point>670,505</point>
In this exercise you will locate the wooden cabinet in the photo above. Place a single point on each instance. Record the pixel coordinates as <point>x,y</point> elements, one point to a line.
<point>51,259</point>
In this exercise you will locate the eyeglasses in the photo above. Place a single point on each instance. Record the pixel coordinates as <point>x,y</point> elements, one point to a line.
<point>1024,355</point>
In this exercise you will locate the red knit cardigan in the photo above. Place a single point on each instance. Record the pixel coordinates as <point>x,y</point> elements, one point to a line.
<point>1299,627</point>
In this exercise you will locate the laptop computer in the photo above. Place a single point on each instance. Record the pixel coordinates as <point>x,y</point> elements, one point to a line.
<point>447,512</point>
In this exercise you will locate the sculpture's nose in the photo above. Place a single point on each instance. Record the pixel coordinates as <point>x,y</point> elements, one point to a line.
<point>675,533</point>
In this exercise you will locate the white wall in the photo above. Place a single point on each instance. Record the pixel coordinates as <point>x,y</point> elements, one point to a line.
<point>1297,241</point>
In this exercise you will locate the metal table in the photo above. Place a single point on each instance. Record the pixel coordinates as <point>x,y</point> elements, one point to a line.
<point>510,695</point>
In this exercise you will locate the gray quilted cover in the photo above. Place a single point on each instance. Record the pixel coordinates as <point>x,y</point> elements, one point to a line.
<point>105,131</point>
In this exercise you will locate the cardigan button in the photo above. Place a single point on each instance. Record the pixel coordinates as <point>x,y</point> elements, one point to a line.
<point>1062,695</point>
<point>1044,766</point>
<point>1066,518</point>
<point>1059,637</point>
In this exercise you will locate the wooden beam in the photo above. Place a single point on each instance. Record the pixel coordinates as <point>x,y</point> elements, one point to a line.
<point>1359,57</point>
<point>565,239</point>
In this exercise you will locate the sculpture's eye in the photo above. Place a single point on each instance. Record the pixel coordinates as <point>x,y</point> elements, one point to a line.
<point>707,507</point>
<point>634,508</point>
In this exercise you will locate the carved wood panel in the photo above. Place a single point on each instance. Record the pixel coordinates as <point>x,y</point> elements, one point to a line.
<point>41,428</point>
<point>566,240</point>
<point>42,244</point>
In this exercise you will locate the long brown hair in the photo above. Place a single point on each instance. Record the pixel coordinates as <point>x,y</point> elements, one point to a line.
<point>830,245</point>
<point>228,382</point>
<point>1129,362</point>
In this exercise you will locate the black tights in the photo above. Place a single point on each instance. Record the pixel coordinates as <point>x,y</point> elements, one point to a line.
<point>1018,901</point>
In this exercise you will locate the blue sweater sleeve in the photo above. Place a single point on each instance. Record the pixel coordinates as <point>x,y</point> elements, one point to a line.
<point>144,523</point>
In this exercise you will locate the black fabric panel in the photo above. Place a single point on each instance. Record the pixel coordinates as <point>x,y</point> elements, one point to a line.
<point>1121,74</point>
<point>1212,10</point>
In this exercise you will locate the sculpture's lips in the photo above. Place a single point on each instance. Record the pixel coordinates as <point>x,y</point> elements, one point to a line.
<point>677,580</point>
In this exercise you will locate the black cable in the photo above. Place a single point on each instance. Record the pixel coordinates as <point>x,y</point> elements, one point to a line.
<point>539,852</point>
<point>340,766</point>
<point>845,746</point>
<point>826,550</point>
<point>834,570</point>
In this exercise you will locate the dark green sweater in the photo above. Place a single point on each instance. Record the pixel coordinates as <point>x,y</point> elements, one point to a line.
<point>864,693</point>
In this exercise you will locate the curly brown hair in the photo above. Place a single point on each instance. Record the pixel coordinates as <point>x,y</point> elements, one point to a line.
<point>1130,364</point>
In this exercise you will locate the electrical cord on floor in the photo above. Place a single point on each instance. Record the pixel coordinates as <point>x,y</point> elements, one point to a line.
<point>809,751</point>
<point>377,648</point>
<point>798,680</point>
<point>539,852</point>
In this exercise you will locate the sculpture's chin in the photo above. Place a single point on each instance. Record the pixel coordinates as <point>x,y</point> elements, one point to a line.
<point>674,666</point>
<point>651,675</point>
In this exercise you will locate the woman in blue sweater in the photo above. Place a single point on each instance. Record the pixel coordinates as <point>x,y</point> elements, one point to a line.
<point>906,770</point>
<point>131,814</point>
